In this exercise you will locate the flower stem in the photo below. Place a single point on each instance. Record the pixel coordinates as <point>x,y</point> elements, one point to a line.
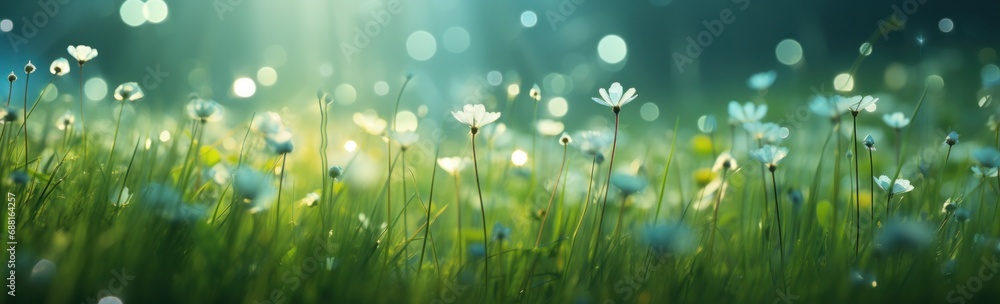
<point>715,216</point>
<point>586,203</point>
<point>545,216</point>
<point>24,124</point>
<point>777,213</point>
<point>427,219</point>
<point>857,187</point>
<point>607,185</point>
<point>277,206</point>
<point>871,179</point>
<point>482,212</point>
<point>458,211</point>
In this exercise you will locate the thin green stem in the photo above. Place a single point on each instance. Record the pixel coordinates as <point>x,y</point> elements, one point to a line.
<point>857,187</point>
<point>607,185</point>
<point>548,208</point>
<point>482,211</point>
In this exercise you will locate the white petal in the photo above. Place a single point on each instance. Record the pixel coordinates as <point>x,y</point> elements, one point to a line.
<point>628,97</point>
<point>601,101</point>
<point>460,117</point>
<point>615,91</point>
<point>607,99</point>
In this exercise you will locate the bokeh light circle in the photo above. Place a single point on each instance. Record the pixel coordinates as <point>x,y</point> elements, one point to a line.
<point>456,39</point>
<point>843,82</point>
<point>612,49</point>
<point>865,49</point>
<point>345,94</point>
<point>381,88</point>
<point>788,51</point>
<point>946,25</point>
<point>649,111</point>
<point>6,25</point>
<point>529,19</point>
<point>95,88</point>
<point>155,11</point>
<point>494,78</point>
<point>406,121</point>
<point>421,45</point>
<point>244,87</point>
<point>267,76</point>
<point>132,13</point>
<point>558,107</point>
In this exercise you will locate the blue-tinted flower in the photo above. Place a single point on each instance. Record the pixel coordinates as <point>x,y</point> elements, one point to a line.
<point>980,171</point>
<point>747,113</point>
<point>129,91</point>
<point>762,81</point>
<point>629,184</point>
<point>593,142</point>
<point>828,107</point>
<point>905,236</point>
<point>769,155</point>
<point>82,53</point>
<point>167,203</point>
<point>18,178</point>
<point>769,132</point>
<point>500,233</point>
<point>669,239</point>
<point>857,103</point>
<point>987,157</point>
<point>896,120</point>
<point>963,215</point>
<point>869,143</point>
<point>613,96</point>
<point>205,110</point>
<point>900,186</point>
<point>335,172</point>
<point>9,115</point>
<point>951,139</point>
<point>254,188</point>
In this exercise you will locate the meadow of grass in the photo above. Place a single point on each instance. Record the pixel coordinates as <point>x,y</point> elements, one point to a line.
<point>125,204</point>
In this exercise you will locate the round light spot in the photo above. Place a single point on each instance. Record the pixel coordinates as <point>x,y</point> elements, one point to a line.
<point>494,78</point>
<point>519,157</point>
<point>345,94</point>
<point>456,39</point>
<point>649,111</point>
<point>612,49</point>
<point>421,45</point>
<point>946,25</point>
<point>132,14</point>
<point>350,146</point>
<point>325,70</point>
<point>95,88</point>
<point>788,51</point>
<point>381,88</point>
<point>422,110</point>
<point>406,121</point>
<point>935,83</point>
<point>529,19</point>
<point>6,25</point>
<point>557,84</point>
<point>244,87</point>
<point>513,90</point>
<point>155,11</point>
<point>110,300</point>
<point>165,136</point>
<point>843,82</point>
<point>990,74</point>
<point>895,76</point>
<point>267,76</point>
<point>865,49</point>
<point>558,107</point>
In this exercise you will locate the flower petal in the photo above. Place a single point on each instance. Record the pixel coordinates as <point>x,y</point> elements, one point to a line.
<point>628,97</point>
<point>615,91</point>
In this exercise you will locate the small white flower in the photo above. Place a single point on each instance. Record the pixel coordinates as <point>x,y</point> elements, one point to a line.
<point>829,107</point>
<point>856,103</point>
<point>565,140</point>
<point>900,186</point>
<point>120,197</point>
<point>725,161</point>
<point>535,93</point>
<point>82,53</point>
<point>453,165</point>
<point>614,98</point>
<point>65,121</point>
<point>59,67</point>
<point>370,122</point>
<point>269,123</point>
<point>987,157</point>
<point>310,199</point>
<point>405,139</point>
<point>205,110</point>
<point>748,113</point>
<point>767,132</point>
<point>896,120</point>
<point>769,155</point>
<point>129,91</point>
<point>29,68</point>
<point>983,172</point>
<point>475,116</point>
<point>761,81</point>
<point>548,127</point>
<point>593,142</point>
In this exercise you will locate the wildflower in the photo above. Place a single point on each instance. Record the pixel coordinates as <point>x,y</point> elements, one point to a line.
<point>310,199</point>
<point>725,161</point>
<point>405,139</point>
<point>768,132</point>
<point>548,127</point>
<point>770,155</point>
<point>748,113</point>
<point>535,93</point>
<point>983,172</point>
<point>335,172</point>
<point>669,238</point>
<point>120,197</point>
<point>856,103</point>
<point>900,186</point>
<point>987,157</point>
<point>65,121</point>
<point>168,204</point>
<point>477,250</point>
<point>205,110</point>
<point>948,206</point>
<point>254,188</point>
<point>9,115</point>
<point>453,165</point>
<point>963,215</point>
<point>82,53</point>
<point>29,68</point>
<point>869,143</point>
<point>500,233</point>
<point>475,116</point>
<point>11,78</point>
<point>761,81</point>
<point>59,67</point>
<point>707,123</point>
<point>280,142</point>
<point>370,122</point>
<point>828,107</point>
<point>565,140</point>
<point>269,123</point>
<point>18,178</point>
<point>614,98</point>
<point>129,91</point>
<point>592,142</point>
<point>896,120</point>
<point>951,139</point>
<point>629,184</point>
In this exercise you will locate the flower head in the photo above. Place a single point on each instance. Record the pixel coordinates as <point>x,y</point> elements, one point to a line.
<point>869,143</point>
<point>829,107</point>
<point>205,110</point>
<point>129,91</point>
<point>629,184</point>
<point>897,187</point>
<point>254,188</point>
<point>951,139</point>
<point>535,93</point>
<point>405,139</point>
<point>18,178</point>
<point>983,172</point>
<point>903,236</point>
<point>592,142</point>
<point>669,238</point>
<point>747,113</point>
<point>59,67</point>
<point>11,78</point>
<point>948,206</point>
<point>370,122</point>
<point>82,53</point>
<point>280,142</point>
<point>453,165</point>
<point>475,116</point>
<point>856,103</point>
<point>987,157</point>
<point>335,172</point>
<point>65,121</point>
<point>269,123</point>
<point>725,161</point>
<point>9,115</point>
<point>500,232</point>
<point>770,155</point>
<point>768,132</point>
<point>120,197</point>
<point>896,120</point>
<point>614,98</point>
<point>565,140</point>
<point>29,68</point>
<point>167,203</point>
<point>761,81</point>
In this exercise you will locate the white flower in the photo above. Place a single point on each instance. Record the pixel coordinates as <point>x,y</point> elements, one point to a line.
<point>370,122</point>
<point>255,188</point>
<point>761,81</point>
<point>129,91</point>
<point>65,121</point>
<point>592,142</point>
<point>310,199</point>
<point>856,103</point>
<point>900,186</point>
<point>769,155</point>
<point>987,157</point>
<point>724,161</point>
<point>896,120</point>
<point>829,107</point>
<point>768,132</point>
<point>614,98</point>
<point>982,172</point>
<point>205,110</point>
<point>475,116</point>
<point>120,198</point>
<point>280,142</point>
<point>453,165</point>
<point>82,53</point>
<point>565,139</point>
<point>548,127</point>
<point>535,93</point>
<point>405,139</point>
<point>59,67</point>
<point>628,184</point>
<point>269,123</point>
<point>29,68</point>
<point>748,113</point>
